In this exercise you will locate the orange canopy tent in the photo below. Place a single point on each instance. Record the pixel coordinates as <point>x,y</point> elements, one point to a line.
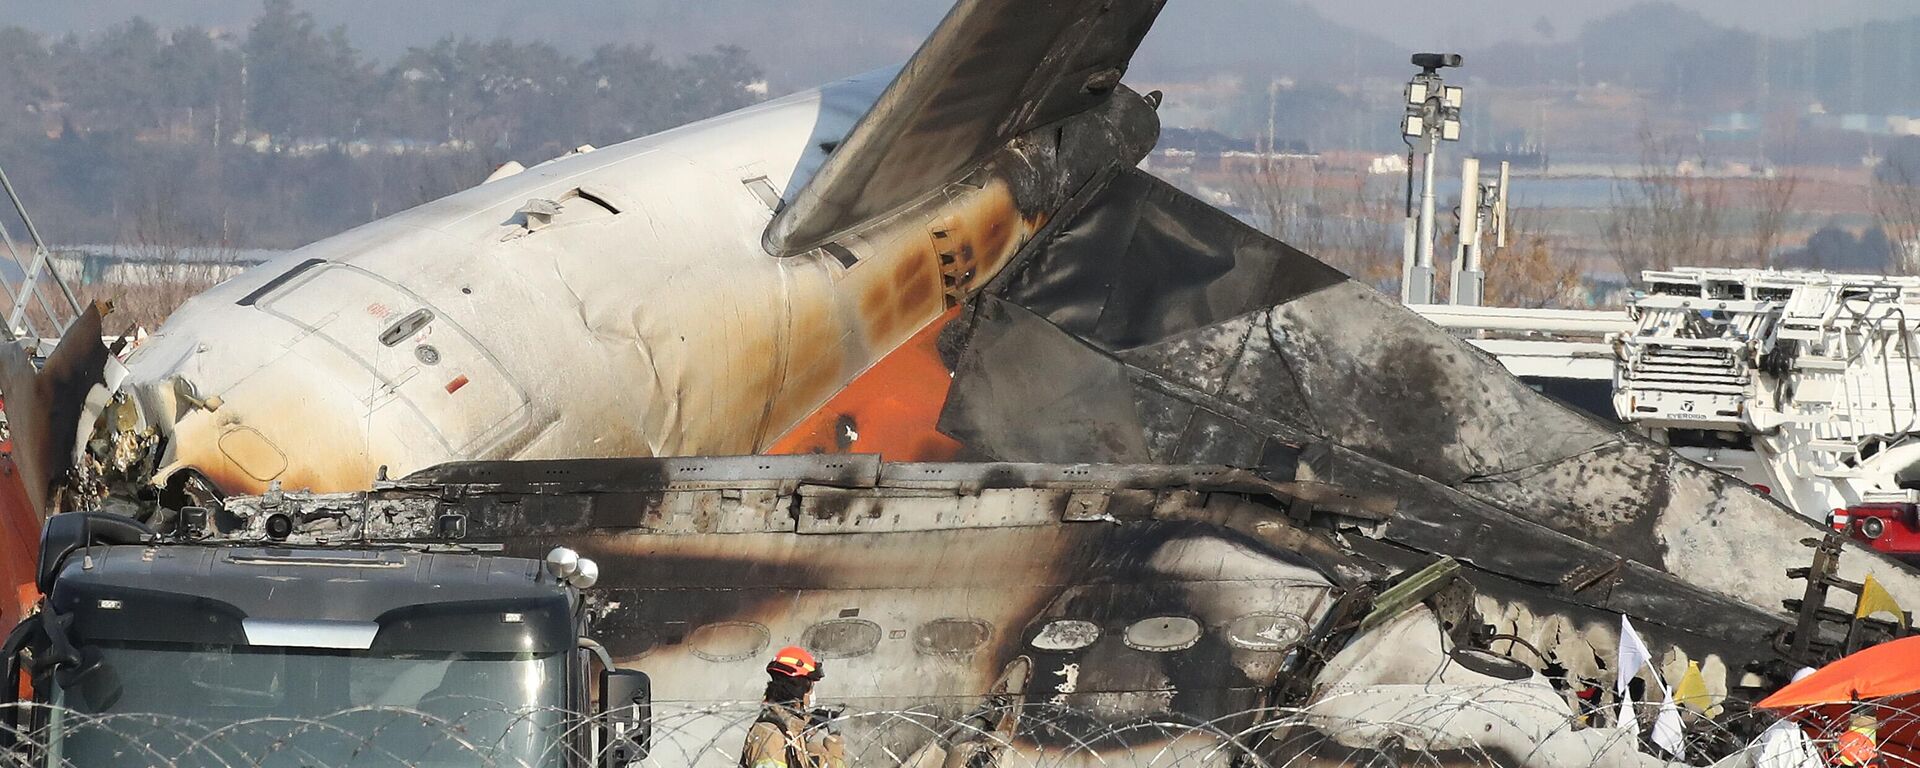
<point>1887,676</point>
<point>1888,669</point>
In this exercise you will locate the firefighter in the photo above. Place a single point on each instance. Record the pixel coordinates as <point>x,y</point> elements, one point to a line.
<point>787,735</point>
<point>1860,745</point>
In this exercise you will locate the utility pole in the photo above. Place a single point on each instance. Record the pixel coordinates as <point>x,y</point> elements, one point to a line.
<point>1432,116</point>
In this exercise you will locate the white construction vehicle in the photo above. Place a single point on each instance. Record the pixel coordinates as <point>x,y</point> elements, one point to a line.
<point>1802,383</point>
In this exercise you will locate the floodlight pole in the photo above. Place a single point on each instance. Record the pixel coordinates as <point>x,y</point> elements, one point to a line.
<point>1420,282</point>
<point>1432,115</point>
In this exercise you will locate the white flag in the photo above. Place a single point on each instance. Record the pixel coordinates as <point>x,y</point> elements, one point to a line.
<point>1784,745</point>
<point>1631,657</point>
<point>1667,730</point>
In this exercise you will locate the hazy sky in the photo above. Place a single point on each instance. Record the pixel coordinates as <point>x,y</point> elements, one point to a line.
<point>805,42</point>
<point>391,23</point>
<point>1465,22</point>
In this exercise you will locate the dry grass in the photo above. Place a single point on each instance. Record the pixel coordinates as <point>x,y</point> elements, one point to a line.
<point>144,305</point>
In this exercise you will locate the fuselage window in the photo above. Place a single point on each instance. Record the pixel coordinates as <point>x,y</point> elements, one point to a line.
<point>1265,632</point>
<point>842,638</point>
<point>1161,634</point>
<point>1066,635</point>
<point>729,641</point>
<point>951,637</point>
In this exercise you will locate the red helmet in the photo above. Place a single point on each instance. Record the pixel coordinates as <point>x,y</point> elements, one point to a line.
<point>794,661</point>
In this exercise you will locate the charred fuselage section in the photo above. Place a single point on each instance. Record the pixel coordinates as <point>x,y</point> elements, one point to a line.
<point>1087,595</point>
<point>1112,593</point>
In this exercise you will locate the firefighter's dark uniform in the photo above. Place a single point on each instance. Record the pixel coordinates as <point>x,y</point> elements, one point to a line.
<point>781,739</point>
<point>781,736</point>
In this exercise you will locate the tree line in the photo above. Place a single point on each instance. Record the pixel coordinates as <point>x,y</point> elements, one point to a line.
<point>283,132</point>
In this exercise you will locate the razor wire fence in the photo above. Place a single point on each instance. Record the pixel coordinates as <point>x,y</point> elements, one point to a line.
<point>1500,725</point>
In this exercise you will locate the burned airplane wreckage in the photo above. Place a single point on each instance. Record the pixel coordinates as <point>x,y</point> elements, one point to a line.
<point>1141,459</point>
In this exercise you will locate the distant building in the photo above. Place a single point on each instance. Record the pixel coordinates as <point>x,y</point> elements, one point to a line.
<point>1879,125</point>
<point>1521,157</point>
<point>113,265</point>
<point>1386,164</point>
<point>1205,151</point>
<point>1900,125</point>
<point>1732,126</point>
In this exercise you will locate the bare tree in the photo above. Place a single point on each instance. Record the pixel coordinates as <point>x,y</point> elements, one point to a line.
<point>1773,204</point>
<point>1896,206</point>
<point>1339,218</point>
<point>1281,196</point>
<point>164,259</point>
<point>1530,271</point>
<point>1664,216</point>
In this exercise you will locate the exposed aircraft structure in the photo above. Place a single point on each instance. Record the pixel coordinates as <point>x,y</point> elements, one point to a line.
<point>1087,596</point>
<point>959,263</point>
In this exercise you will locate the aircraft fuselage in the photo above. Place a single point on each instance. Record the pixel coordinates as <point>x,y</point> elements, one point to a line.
<point>613,302</point>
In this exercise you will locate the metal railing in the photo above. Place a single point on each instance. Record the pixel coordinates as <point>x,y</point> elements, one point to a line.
<point>40,305</point>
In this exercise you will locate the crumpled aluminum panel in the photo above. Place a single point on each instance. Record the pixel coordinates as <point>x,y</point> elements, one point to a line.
<point>1146,325</point>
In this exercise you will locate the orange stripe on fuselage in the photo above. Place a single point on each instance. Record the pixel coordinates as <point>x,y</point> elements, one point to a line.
<point>892,409</point>
<point>19,546</point>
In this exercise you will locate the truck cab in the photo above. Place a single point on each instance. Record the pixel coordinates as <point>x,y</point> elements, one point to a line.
<point>1886,521</point>
<point>264,645</point>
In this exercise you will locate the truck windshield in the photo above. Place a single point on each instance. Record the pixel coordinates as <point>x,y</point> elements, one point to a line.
<point>210,705</point>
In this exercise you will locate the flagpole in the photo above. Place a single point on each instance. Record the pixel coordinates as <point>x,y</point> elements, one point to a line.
<point>1668,732</point>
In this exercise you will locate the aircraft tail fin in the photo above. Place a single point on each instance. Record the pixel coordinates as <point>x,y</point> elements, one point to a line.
<point>993,70</point>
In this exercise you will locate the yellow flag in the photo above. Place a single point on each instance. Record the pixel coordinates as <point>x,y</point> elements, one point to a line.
<point>1692,690</point>
<point>1875,599</point>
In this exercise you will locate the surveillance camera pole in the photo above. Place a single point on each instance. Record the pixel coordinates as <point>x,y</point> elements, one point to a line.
<point>1481,205</point>
<point>1467,275</point>
<point>1432,116</point>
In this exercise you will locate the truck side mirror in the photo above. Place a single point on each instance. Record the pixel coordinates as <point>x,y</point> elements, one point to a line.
<point>626,709</point>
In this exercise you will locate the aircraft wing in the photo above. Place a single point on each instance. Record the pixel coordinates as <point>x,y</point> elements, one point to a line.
<point>993,70</point>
